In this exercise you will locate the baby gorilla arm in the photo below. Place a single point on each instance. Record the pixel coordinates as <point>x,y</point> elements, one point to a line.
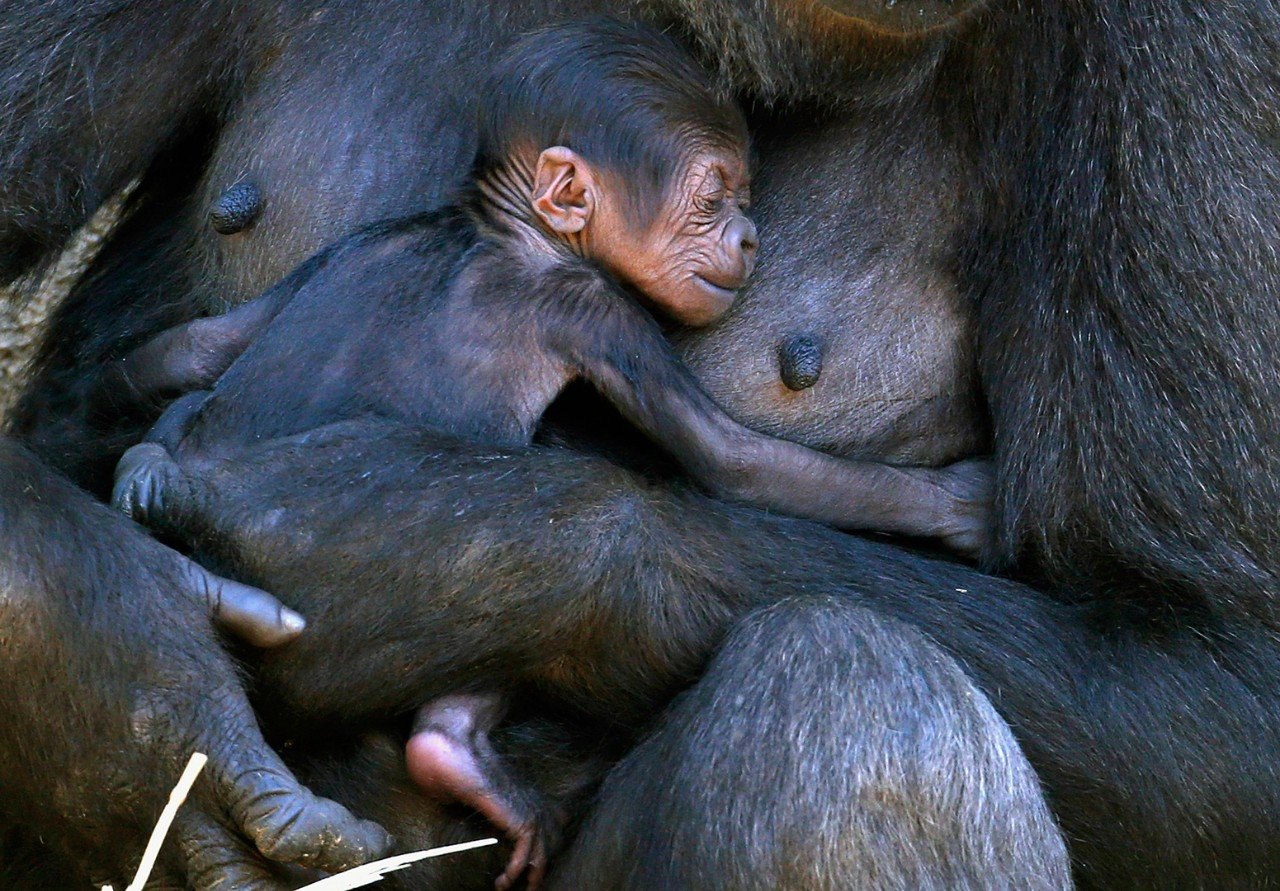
<point>188,357</point>
<point>624,354</point>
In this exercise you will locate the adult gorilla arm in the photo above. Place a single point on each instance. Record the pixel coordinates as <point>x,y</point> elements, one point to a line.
<point>113,678</point>
<point>114,674</point>
<point>1136,445</point>
<point>603,581</point>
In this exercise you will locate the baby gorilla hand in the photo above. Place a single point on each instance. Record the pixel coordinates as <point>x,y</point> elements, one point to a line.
<point>966,494</point>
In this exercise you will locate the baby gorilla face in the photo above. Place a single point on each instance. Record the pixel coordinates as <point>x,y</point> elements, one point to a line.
<point>698,249</point>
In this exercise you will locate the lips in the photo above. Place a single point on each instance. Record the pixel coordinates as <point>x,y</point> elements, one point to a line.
<point>710,302</point>
<point>725,287</point>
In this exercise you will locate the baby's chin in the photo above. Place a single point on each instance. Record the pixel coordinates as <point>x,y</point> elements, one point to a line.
<point>700,302</point>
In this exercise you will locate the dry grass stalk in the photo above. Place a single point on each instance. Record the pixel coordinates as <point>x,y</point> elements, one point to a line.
<point>26,308</point>
<point>373,872</point>
<point>358,877</point>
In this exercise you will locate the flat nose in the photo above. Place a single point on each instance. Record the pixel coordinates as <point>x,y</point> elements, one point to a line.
<point>743,236</point>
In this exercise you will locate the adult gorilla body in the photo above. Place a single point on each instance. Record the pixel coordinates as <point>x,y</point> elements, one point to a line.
<point>1115,255</point>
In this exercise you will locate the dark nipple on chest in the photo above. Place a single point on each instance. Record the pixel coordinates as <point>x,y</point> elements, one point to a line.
<point>799,361</point>
<point>236,209</point>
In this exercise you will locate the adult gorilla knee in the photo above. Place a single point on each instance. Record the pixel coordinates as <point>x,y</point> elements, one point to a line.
<point>826,747</point>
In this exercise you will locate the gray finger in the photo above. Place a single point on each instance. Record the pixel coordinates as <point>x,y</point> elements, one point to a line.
<point>248,613</point>
<point>285,821</point>
<point>216,859</point>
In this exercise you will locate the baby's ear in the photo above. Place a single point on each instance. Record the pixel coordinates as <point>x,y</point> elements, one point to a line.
<point>563,190</point>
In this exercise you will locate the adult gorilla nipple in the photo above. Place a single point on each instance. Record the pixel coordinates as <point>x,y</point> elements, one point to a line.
<point>799,362</point>
<point>236,209</point>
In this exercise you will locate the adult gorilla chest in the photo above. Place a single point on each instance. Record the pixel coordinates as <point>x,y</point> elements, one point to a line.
<point>387,141</point>
<point>853,337</point>
<point>850,339</point>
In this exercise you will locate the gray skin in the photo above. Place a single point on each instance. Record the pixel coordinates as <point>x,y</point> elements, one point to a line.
<point>898,379</point>
<point>874,292</point>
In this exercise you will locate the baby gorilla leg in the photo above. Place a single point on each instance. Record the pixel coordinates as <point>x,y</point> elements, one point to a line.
<point>451,758</point>
<point>147,472</point>
<point>145,476</point>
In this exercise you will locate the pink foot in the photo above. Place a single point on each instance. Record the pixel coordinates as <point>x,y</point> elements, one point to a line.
<point>450,770</point>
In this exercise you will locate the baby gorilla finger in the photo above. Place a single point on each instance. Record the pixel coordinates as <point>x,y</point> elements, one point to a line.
<point>969,488</point>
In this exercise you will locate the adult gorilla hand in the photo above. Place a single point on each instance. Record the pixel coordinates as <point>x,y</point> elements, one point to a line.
<point>114,676</point>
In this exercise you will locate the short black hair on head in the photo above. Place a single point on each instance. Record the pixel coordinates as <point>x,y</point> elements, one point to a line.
<point>624,96</point>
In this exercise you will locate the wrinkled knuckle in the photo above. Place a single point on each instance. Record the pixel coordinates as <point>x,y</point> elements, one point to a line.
<point>212,868</point>
<point>202,587</point>
<point>155,722</point>
<point>312,832</point>
<point>281,833</point>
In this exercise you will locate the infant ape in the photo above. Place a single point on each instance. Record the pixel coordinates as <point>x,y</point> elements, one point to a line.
<point>609,178</point>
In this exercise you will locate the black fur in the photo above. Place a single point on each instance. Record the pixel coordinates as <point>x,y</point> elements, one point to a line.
<point>1110,165</point>
<point>1137,445</point>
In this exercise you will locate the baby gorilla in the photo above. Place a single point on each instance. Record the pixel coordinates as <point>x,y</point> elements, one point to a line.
<point>609,177</point>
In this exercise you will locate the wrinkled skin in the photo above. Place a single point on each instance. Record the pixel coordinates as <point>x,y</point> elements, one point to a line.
<point>699,248</point>
<point>687,258</point>
<point>1117,196</point>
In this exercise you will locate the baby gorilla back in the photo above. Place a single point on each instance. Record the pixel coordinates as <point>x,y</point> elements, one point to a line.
<point>417,320</point>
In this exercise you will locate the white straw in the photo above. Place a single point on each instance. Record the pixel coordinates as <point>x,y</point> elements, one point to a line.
<point>352,878</point>
<point>176,797</point>
<point>373,872</point>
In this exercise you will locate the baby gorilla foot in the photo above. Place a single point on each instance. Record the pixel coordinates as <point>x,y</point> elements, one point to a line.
<point>142,476</point>
<point>450,757</point>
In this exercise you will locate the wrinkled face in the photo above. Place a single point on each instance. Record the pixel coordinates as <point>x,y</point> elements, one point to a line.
<point>698,249</point>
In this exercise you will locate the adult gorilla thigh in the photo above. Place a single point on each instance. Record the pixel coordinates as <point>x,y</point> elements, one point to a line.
<point>862,758</point>
<point>113,679</point>
<point>840,745</point>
